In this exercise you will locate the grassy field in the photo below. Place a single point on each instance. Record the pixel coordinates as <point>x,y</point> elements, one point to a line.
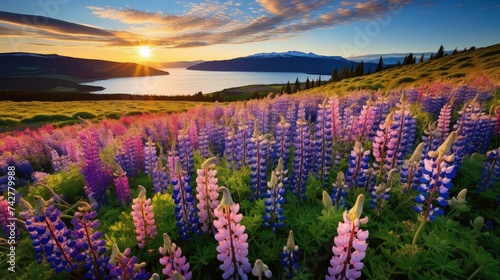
<point>18,115</point>
<point>456,68</point>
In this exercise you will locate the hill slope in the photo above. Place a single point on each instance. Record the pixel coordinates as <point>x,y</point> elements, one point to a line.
<point>17,71</point>
<point>465,65</point>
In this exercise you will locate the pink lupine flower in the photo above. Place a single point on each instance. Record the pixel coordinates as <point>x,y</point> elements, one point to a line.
<point>350,245</point>
<point>143,217</point>
<point>173,260</point>
<point>207,194</point>
<point>233,246</point>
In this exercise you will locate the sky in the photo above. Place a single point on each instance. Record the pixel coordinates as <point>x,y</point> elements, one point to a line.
<point>170,30</point>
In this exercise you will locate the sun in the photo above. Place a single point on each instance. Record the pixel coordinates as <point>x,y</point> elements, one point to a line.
<point>145,51</point>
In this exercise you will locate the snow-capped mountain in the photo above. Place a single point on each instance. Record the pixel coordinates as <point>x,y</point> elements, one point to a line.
<point>291,54</point>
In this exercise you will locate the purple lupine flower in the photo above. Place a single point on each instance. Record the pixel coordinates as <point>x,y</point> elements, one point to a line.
<point>172,260</point>
<point>260,268</point>
<point>121,267</point>
<point>491,170</point>
<point>302,158</point>
<point>59,162</point>
<point>274,199</point>
<point>363,124</point>
<point>185,209</point>
<point>336,119</point>
<point>143,216</point>
<point>185,148</point>
<point>357,172</point>
<point>431,138</point>
<point>207,194</point>
<point>350,245</point>
<point>172,160</point>
<point>90,246</point>
<point>203,142</point>
<point>257,150</point>
<point>7,218</point>
<point>231,146</point>
<point>379,145</point>
<point>381,193</point>
<point>160,178</point>
<point>51,238</point>
<point>436,180</point>
<point>322,143</point>
<point>233,246</point>
<point>402,135</point>
<point>381,109</point>
<point>150,157</point>
<point>411,170</point>
<point>283,141</point>
<point>122,186</point>
<point>339,190</point>
<point>243,135</point>
<point>289,257</point>
<point>96,179</point>
<point>443,123</point>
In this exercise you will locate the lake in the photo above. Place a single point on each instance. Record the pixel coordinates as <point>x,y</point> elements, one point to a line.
<point>182,81</point>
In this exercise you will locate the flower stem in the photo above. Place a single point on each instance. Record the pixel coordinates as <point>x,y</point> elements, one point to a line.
<point>415,237</point>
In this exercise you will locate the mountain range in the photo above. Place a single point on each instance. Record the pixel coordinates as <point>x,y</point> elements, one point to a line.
<point>291,61</point>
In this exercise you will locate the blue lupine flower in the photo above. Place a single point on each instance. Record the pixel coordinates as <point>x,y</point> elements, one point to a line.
<point>289,257</point>
<point>436,180</point>
<point>160,178</point>
<point>302,158</point>
<point>411,170</point>
<point>122,267</point>
<point>185,205</point>
<point>357,172</point>
<point>322,143</point>
<point>150,157</point>
<point>283,135</point>
<point>274,199</point>
<point>257,151</point>
<point>339,190</point>
<point>491,170</point>
<point>185,148</point>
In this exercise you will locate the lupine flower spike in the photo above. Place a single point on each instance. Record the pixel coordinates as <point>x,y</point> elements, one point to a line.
<point>122,267</point>
<point>233,246</point>
<point>350,245</point>
<point>435,183</point>
<point>172,260</point>
<point>185,209</point>
<point>289,257</point>
<point>274,199</point>
<point>143,216</point>
<point>207,194</point>
<point>411,170</point>
<point>260,268</point>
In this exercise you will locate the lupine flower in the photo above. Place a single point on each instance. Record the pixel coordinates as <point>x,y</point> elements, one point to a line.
<point>260,268</point>
<point>160,178</point>
<point>411,170</point>
<point>233,246</point>
<point>336,119</point>
<point>6,218</point>
<point>230,147</point>
<point>436,180</point>
<point>379,145</point>
<point>289,257</point>
<point>172,259</point>
<point>364,122</point>
<point>491,170</point>
<point>90,246</point>
<point>185,209</point>
<point>283,140</point>
<point>143,216</point>
<point>172,160</point>
<point>185,148</point>
<point>122,267</point>
<point>339,190</point>
<point>356,173</point>
<point>443,123</point>
<point>274,217</point>
<point>203,142</point>
<point>51,238</point>
<point>302,158</point>
<point>381,192</point>
<point>59,162</point>
<point>95,177</point>
<point>150,157</point>
<point>431,138</point>
<point>207,194</point>
<point>243,135</point>
<point>350,245</point>
<point>257,150</point>
<point>122,186</point>
<point>322,143</point>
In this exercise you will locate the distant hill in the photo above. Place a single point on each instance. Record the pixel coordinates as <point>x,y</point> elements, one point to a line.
<point>54,72</point>
<point>292,61</point>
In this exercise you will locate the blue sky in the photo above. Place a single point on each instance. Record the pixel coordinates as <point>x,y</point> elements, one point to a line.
<point>209,30</point>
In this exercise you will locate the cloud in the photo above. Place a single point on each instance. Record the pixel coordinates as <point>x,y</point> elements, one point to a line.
<point>205,23</point>
<point>42,27</point>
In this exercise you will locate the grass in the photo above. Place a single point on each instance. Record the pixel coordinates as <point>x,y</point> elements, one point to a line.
<point>459,67</point>
<point>35,113</point>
